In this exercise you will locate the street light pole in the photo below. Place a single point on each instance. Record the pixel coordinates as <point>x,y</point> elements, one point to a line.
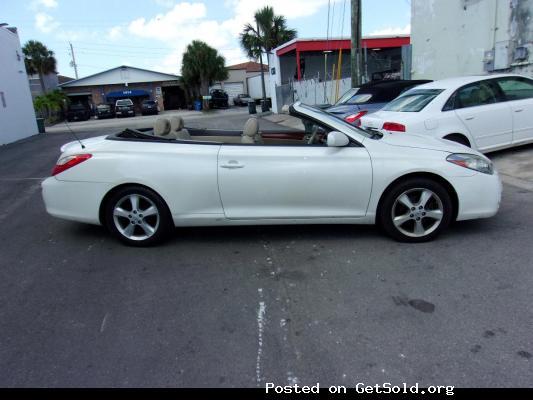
<point>355,58</point>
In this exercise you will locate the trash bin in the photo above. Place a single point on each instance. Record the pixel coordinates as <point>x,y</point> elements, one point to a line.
<point>264,106</point>
<point>40,125</point>
<point>251,107</point>
<point>197,105</point>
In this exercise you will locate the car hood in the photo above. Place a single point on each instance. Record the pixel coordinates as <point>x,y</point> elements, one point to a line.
<point>347,109</point>
<point>425,142</point>
<point>343,108</point>
<point>75,147</point>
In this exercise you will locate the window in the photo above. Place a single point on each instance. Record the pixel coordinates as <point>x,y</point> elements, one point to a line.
<point>476,94</point>
<point>516,88</point>
<point>413,100</point>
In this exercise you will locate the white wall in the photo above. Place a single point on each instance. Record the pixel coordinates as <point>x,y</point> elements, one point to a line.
<point>450,37</point>
<point>17,117</point>
<point>312,91</point>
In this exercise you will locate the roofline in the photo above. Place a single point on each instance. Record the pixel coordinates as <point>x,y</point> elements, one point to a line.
<point>9,29</point>
<point>111,69</point>
<point>322,39</point>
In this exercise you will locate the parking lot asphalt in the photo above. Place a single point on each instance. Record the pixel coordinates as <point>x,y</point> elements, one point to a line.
<point>242,306</point>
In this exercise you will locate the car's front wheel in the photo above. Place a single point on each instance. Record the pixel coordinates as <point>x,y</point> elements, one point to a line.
<point>415,210</point>
<point>138,216</point>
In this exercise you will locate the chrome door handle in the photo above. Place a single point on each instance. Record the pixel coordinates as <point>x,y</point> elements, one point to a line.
<point>519,110</point>
<point>469,118</point>
<point>232,164</point>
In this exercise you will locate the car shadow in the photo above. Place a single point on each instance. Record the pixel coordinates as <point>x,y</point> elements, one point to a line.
<point>512,150</point>
<point>276,233</point>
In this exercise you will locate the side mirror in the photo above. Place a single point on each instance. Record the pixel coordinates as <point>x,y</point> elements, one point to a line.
<point>337,139</point>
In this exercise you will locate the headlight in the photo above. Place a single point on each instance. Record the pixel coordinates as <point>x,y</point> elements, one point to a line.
<point>471,161</point>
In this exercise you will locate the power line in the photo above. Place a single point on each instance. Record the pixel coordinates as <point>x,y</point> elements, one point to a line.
<point>342,22</point>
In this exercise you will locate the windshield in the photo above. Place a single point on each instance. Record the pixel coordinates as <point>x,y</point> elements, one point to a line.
<point>347,96</point>
<point>126,102</point>
<point>413,100</point>
<point>326,117</point>
<point>149,102</point>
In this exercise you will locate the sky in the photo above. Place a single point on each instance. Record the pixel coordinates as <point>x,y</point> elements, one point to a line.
<point>153,34</point>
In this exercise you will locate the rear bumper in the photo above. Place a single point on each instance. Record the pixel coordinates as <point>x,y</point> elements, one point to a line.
<point>479,195</point>
<point>74,201</point>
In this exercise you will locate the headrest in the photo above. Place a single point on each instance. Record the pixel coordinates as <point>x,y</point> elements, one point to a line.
<point>161,127</point>
<point>251,127</point>
<point>176,123</point>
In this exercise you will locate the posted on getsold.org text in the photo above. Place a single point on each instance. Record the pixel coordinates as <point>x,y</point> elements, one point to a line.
<point>360,388</point>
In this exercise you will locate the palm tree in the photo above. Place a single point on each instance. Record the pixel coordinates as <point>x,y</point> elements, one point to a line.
<point>39,60</point>
<point>50,102</point>
<point>269,32</point>
<point>202,65</point>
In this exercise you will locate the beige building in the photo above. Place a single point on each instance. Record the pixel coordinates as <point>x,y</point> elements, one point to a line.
<point>241,77</point>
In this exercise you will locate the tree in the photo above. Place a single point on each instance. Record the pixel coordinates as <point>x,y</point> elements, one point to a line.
<point>49,102</point>
<point>39,60</point>
<point>201,66</point>
<point>269,32</point>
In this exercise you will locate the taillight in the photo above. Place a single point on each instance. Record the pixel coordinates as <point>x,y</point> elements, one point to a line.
<point>393,126</point>
<point>354,117</point>
<point>68,162</point>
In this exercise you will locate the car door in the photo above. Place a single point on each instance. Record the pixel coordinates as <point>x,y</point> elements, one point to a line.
<point>488,119</point>
<point>299,181</point>
<point>518,92</point>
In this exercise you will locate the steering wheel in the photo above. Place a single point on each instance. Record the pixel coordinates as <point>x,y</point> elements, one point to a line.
<point>314,133</point>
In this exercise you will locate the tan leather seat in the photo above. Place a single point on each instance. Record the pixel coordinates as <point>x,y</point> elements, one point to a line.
<point>250,133</point>
<point>177,128</point>
<point>162,128</point>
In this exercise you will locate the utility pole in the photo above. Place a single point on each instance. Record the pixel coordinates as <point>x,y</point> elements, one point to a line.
<point>355,53</point>
<point>73,62</point>
<point>264,102</point>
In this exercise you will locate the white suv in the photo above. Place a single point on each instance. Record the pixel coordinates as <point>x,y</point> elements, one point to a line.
<point>486,113</point>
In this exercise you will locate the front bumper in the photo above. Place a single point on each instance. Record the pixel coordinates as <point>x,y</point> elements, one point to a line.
<point>74,201</point>
<point>479,195</point>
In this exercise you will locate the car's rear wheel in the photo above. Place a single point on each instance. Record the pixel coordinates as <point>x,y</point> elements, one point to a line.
<point>138,216</point>
<point>415,210</point>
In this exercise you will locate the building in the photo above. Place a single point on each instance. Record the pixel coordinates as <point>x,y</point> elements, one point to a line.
<point>127,83</point>
<point>51,82</point>
<point>17,116</point>
<point>312,64</point>
<point>244,78</point>
<point>471,37</point>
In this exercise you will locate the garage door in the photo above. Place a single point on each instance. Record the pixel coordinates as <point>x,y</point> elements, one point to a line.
<point>233,90</point>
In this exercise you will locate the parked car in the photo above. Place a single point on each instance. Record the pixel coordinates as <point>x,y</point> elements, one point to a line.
<point>104,111</point>
<point>219,99</point>
<point>78,112</point>
<point>486,113</point>
<point>369,98</point>
<point>149,107</point>
<point>242,100</point>
<point>322,171</point>
<point>124,108</point>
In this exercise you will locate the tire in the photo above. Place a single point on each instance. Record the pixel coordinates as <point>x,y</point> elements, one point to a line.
<point>121,215</point>
<point>458,139</point>
<point>414,224</point>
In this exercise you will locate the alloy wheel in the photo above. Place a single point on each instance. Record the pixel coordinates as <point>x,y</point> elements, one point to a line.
<point>136,217</point>
<point>417,212</point>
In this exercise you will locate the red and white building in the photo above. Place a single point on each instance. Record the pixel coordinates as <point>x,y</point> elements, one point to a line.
<point>318,60</point>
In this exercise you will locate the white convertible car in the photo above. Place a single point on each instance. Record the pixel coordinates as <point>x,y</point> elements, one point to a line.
<point>323,171</point>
